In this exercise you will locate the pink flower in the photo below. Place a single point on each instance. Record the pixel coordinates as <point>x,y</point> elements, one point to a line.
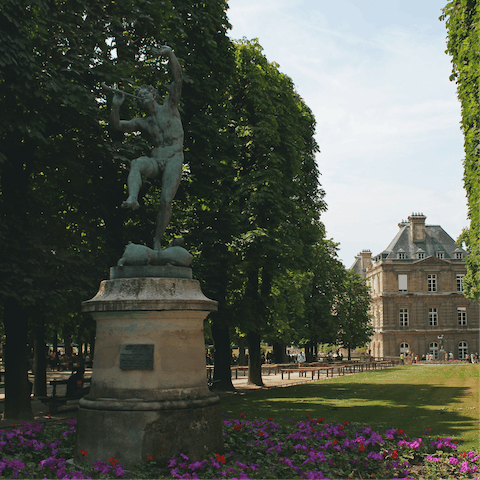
<point>464,467</point>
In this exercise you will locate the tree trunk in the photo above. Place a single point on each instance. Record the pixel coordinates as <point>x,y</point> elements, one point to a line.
<point>222,355</point>
<point>349,354</point>
<point>67,340</point>
<point>68,346</point>
<point>55,342</point>
<point>17,387</point>
<point>40,362</point>
<point>81,356</point>
<point>309,351</point>
<point>242,358</point>
<point>254,360</point>
<point>280,353</point>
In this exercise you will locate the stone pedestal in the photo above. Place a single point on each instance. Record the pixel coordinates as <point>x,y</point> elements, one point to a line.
<point>149,394</point>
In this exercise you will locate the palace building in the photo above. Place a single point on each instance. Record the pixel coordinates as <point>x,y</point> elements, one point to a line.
<point>417,294</point>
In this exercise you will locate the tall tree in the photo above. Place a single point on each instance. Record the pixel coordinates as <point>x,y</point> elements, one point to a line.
<point>276,187</point>
<point>352,312</point>
<point>206,215</point>
<point>60,173</point>
<point>327,277</point>
<point>44,62</point>
<point>463,44</point>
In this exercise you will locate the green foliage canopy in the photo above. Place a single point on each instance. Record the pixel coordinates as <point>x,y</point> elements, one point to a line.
<point>463,44</point>
<point>352,311</point>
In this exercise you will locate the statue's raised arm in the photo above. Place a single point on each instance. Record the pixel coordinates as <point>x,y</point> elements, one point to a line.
<point>176,71</point>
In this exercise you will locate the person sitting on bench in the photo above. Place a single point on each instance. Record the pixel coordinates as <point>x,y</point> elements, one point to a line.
<point>75,387</point>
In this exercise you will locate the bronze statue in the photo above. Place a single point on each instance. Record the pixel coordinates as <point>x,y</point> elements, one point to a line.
<point>163,127</point>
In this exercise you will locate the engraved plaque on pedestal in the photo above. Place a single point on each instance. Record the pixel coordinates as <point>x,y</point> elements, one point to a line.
<point>136,357</point>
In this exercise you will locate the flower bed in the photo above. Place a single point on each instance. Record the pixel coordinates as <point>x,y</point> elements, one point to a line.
<point>310,448</point>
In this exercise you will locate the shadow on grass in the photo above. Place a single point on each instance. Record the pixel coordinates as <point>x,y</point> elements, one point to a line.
<point>412,408</point>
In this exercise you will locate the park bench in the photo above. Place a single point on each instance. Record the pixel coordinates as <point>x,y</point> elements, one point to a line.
<point>383,364</point>
<point>354,367</point>
<point>269,367</point>
<point>280,366</point>
<point>54,402</point>
<point>302,371</point>
<point>238,368</point>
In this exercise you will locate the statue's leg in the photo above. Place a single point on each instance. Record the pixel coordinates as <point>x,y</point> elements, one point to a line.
<point>142,166</point>
<point>170,182</point>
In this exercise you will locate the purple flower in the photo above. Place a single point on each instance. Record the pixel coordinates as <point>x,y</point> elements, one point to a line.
<point>464,468</point>
<point>193,466</point>
<point>390,433</point>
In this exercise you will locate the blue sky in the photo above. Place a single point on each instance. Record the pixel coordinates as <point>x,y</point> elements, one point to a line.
<point>376,76</point>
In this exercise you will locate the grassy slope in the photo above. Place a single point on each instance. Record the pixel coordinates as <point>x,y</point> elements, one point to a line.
<point>411,397</point>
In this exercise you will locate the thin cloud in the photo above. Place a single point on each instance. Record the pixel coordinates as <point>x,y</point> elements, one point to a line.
<point>387,116</point>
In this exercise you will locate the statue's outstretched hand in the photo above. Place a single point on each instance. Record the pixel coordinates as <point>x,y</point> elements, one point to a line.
<point>164,50</point>
<point>118,99</point>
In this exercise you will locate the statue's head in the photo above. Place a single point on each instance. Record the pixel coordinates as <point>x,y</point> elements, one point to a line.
<point>146,93</point>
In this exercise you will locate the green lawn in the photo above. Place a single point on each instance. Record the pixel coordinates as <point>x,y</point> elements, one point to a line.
<point>443,398</point>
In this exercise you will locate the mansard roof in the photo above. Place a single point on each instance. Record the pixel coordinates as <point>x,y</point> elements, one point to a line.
<point>357,267</point>
<point>436,240</point>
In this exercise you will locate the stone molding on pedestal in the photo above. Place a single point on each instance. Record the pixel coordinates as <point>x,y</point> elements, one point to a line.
<point>150,293</point>
<point>158,404</point>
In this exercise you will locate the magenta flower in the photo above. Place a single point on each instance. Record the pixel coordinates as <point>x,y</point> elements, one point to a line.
<point>464,468</point>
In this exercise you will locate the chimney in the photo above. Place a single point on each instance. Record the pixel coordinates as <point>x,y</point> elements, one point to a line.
<point>366,258</point>
<point>417,227</point>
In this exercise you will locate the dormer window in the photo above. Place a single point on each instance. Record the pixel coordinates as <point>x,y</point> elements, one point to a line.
<point>420,254</point>
<point>401,254</point>
<point>458,253</point>
<point>440,254</point>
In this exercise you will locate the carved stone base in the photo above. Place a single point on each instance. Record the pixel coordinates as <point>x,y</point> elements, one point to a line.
<point>148,394</point>
<point>134,435</point>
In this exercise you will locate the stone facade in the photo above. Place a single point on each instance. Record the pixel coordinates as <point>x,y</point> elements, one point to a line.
<point>416,288</point>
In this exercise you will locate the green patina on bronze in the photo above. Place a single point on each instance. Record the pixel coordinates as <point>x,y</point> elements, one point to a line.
<point>163,127</point>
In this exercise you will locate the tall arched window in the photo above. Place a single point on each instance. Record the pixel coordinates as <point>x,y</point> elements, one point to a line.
<point>463,350</point>
<point>404,348</point>
<point>434,350</point>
